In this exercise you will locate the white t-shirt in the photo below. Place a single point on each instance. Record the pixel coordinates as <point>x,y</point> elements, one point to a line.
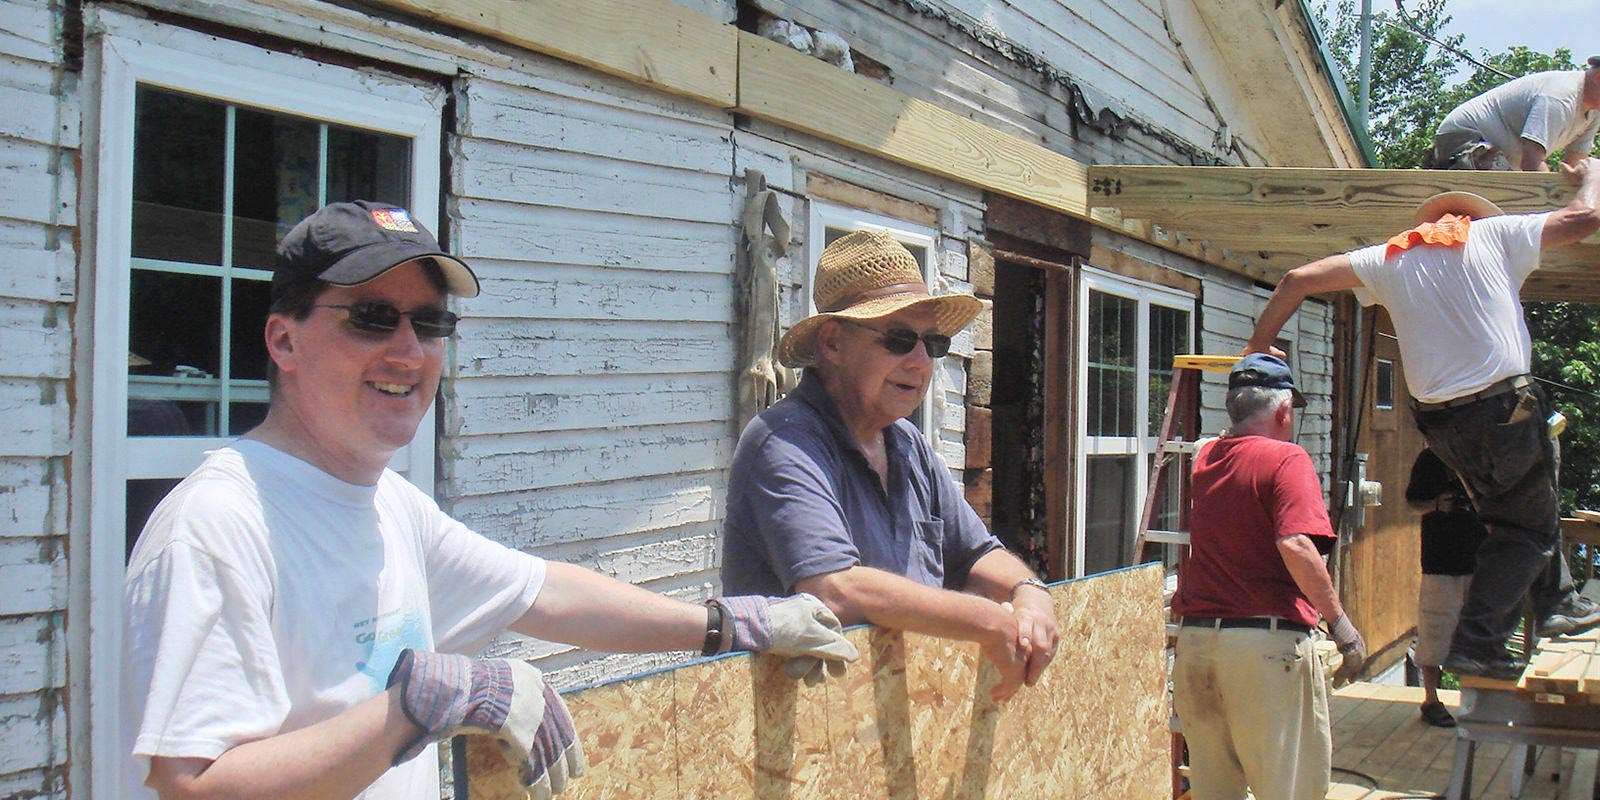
<point>1456,310</point>
<point>266,595</point>
<point>1545,107</point>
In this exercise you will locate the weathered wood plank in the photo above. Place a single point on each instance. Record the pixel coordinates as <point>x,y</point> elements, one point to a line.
<point>488,406</point>
<point>1384,198</point>
<point>575,119</point>
<point>27,29</point>
<point>496,347</point>
<point>654,42</point>
<point>34,572</point>
<point>517,173</point>
<point>27,663</point>
<point>786,87</point>
<point>540,517</point>
<point>544,459</point>
<point>554,235</point>
<point>27,171</point>
<point>36,339</point>
<point>26,485</point>
<point>36,733</point>
<point>537,291</point>
<point>35,411</point>
<point>35,271</point>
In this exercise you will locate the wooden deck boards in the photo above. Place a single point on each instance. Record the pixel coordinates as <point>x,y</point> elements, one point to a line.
<point>1381,749</point>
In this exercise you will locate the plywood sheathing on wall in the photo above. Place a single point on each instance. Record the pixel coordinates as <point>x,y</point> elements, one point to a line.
<point>1290,216</point>
<point>912,719</point>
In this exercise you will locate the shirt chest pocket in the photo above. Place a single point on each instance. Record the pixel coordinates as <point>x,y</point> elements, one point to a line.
<point>927,552</point>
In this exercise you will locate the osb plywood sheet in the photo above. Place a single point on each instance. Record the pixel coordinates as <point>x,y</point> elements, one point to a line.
<point>912,719</point>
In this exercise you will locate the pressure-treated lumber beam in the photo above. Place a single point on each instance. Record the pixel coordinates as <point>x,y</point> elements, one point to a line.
<point>657,43</point>
<point>1384,197</point>
<point>792,89</point>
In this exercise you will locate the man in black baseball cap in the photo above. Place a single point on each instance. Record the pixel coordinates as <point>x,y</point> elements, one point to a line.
<point>348,244</point>
<point>1266,371</point>
<point>299,616</point>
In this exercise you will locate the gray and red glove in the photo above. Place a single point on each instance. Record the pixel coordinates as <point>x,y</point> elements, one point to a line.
<point>445,695</point>
<point>799,627</point>
<point>1352,648</point>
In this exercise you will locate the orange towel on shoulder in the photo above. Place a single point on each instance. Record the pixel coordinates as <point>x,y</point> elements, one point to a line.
<point>1449,231</point>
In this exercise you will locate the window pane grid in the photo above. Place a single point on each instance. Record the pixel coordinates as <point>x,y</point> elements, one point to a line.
<point>216,185</point>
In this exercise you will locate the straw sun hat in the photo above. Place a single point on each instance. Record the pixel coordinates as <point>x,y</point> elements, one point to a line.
<point>867,275</point>
<point>1472,205</point>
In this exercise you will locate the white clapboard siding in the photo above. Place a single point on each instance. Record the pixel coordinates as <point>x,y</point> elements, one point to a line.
<point>1128,65</point>
<point>498,346</point>
<point>532,519</point>
<point>39,137</point>
<point>589,415</point>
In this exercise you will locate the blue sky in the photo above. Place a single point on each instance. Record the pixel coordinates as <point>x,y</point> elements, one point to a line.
<point>1495,25</point>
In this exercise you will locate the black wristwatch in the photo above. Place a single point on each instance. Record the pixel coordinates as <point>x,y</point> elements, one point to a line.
<point>713,643</point>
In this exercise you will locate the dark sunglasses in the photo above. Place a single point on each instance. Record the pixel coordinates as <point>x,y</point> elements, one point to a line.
<point>384,318</point>
<point>900,341</point>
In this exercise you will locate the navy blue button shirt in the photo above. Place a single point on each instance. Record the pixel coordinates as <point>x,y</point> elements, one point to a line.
<point>804,501</point>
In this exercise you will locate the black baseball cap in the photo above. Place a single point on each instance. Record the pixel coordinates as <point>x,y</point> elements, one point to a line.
<point>1594,62</point>
<point>347,244</point>
<point>1267,371</point>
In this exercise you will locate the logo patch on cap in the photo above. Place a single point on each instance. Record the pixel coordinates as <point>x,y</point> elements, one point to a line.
<point>393,219</point>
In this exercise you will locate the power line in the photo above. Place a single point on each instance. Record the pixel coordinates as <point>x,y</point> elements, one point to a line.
<point>1411,28</point>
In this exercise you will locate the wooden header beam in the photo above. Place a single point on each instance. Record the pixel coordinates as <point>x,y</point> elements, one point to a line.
<point>1284,216</point>
<point>657,43</point>
<point>792,89</point>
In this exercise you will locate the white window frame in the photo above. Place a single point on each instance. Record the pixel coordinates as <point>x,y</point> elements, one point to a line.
<point>823,216</point>
<point>134,52</point>
<point>1146,294</point>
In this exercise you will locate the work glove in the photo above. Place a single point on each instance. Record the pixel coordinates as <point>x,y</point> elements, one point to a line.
<point>800,627</point>
<point>445,695</point>
<point>1351,646</point>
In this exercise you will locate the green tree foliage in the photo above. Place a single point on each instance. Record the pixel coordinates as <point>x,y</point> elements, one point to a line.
<point>1408,74</point>
<point>1409,97</point>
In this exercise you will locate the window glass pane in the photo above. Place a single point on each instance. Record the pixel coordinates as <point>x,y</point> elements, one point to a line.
<point>248,348</point>
<point>1108,512</point>
<point>178,161</point>
<point>143,495</point>
<point>367,166</point>
<point>173,358</point>
<point>1113,347</point>
<point>1169,337</point>
<point>1383,387</point>
<point>275,182</point>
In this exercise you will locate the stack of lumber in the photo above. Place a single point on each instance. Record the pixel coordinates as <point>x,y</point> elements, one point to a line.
<point>1562,670</point>
<point>1565,666</point>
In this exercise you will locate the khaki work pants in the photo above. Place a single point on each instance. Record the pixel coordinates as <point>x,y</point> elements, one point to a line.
<point>1253,706</point>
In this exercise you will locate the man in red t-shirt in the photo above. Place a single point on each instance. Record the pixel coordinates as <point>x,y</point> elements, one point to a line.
<point>1247,684</point>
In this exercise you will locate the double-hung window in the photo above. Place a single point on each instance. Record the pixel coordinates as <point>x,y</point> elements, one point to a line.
<point>207,152</point>
<point>1129,333</point>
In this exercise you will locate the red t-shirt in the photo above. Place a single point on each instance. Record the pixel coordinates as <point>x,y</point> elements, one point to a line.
<point>1249,492</point>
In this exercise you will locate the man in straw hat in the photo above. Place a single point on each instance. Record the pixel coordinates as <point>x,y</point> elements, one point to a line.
<point>298,617</point>
<point>833,492</point>
<point>1451,286</point>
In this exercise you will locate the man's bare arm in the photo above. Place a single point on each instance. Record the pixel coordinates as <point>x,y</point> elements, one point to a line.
<point>863,594</point>
<point>335,758</point>
<point>1329,274</point>
<point>996,576</point>
<point>1533,155</point>
<point>1305,565</point>
<point>585,608</point>
<point>1580,218</point>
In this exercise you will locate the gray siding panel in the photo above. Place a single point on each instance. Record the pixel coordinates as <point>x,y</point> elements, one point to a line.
<point>38,157</point>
